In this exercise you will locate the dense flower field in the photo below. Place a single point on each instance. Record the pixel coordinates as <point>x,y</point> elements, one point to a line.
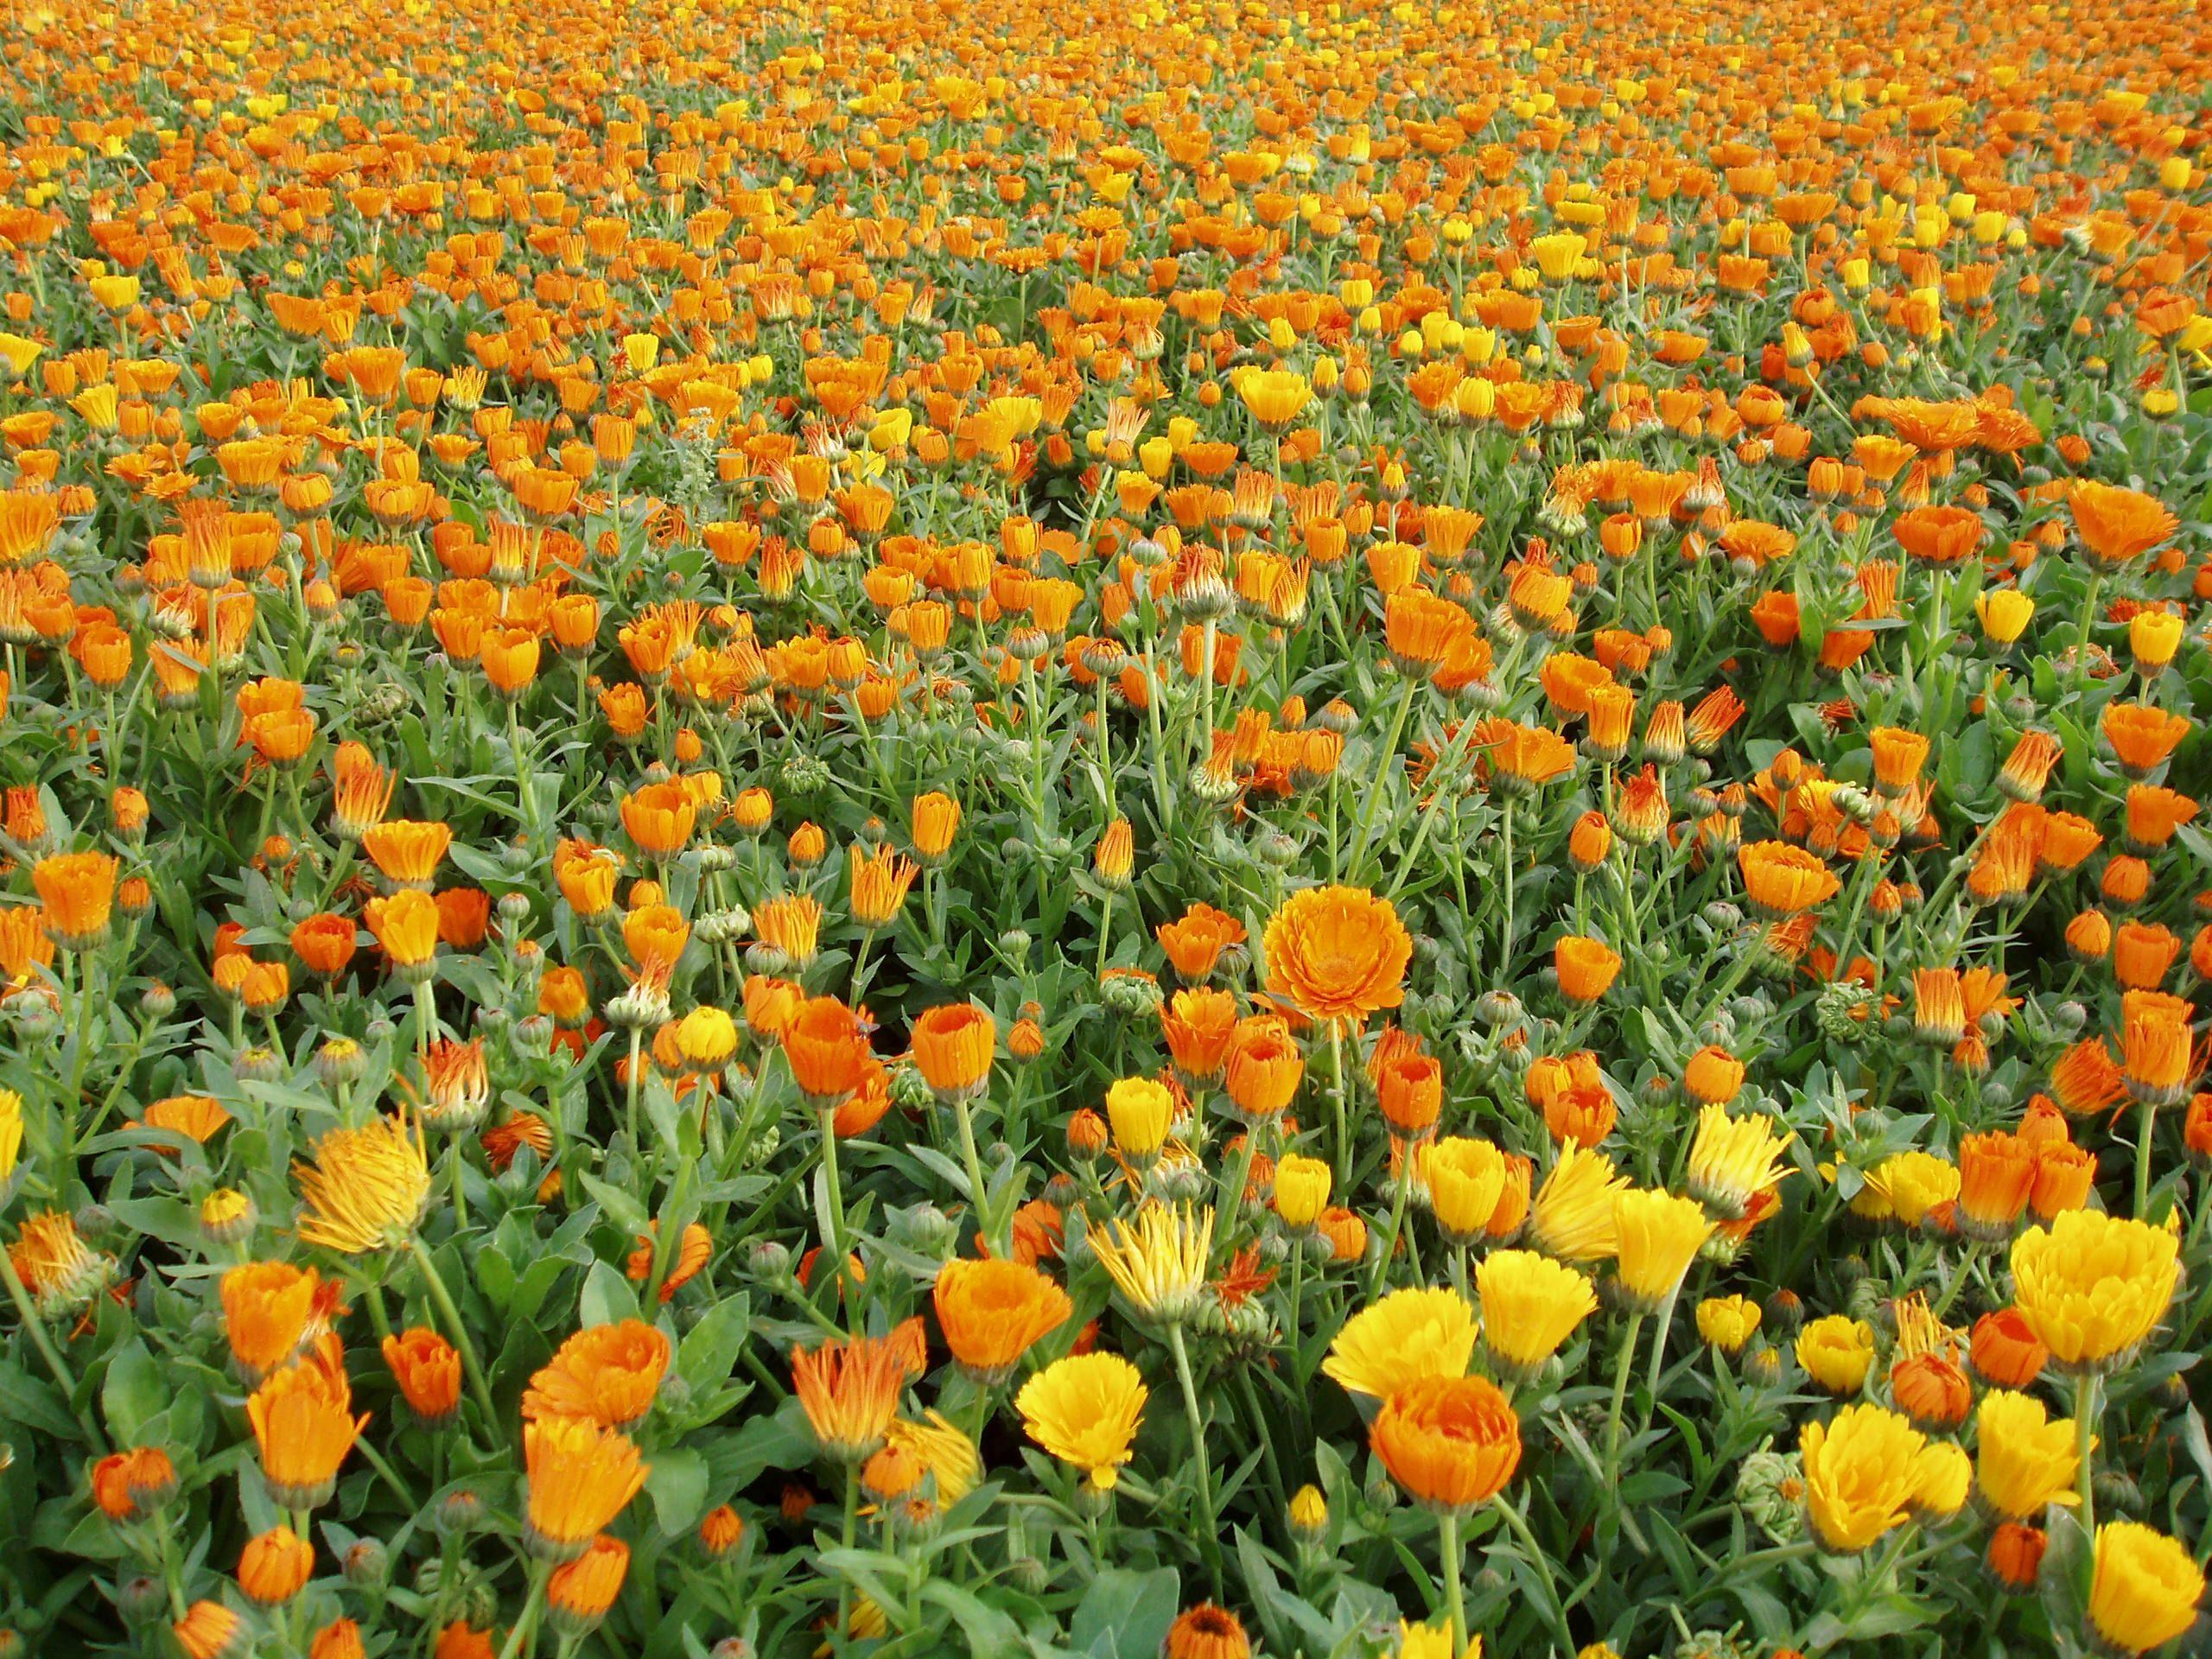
<point>1103,830</point>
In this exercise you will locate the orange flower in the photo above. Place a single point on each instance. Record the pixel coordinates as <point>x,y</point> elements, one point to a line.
<point>303,1423</point>
<point>427,1368</point>
<point>276,1567</point>
<point>936,819</point>
<point>952,1046</point>
<point>849,1391</point>
<point>266,1306</point>
<point>1195,942</point>
<point>78,890</point>
<point>993,1312</point>
<point>2142,737</point>
<point>406,851</point>
<point>580,1477</point>
<point>579,1592</point>
<point>658,818</point>
<point>406,928</point>
<point>1265,1068</point>
<point>1452,1442</point>
<point>1782,881</point>
<point>606,1373</point>
<point>126,1484</point>
<point>2117,524</point>
<point>828,1055</point>
<point>1337,954</point>
<point>1586,968</point>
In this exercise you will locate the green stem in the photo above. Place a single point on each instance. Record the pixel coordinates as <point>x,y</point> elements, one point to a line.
<point>1621,1368</point>
<point>1382,774</point>
<point>977,1194</point>
<point>1209,1540</point>
<point>1455,1606</point>
<point>2085,1444</point>
<point>1517,1524</point>
<point>41,1340</point>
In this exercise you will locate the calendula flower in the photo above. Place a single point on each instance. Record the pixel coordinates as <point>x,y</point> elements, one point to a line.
<point>1530,1306</point>
<point>993,1312</point>
<point>211,1630</point>
<point>851,1391</point>
<point>1837,1352</point>
<point>1159,1263</point>
<point>580,1477</point>
<point>1337,954</point>
<point>1084,1410</point>
<point>365,1188</point>
<point>302,1422</point>
<point>1464,1180</point>
<point>2023,1460</point>
<point>427,1368</point>
<point>2144,1589</point>
<point>1452,1442</point>
<point>606,1373</point>
<point>54,1263</point>
<point>1733,1159</point>
<point>1573,1217</point>
<point>1657,1236</point>
<point>1860,1474</point>
<point>1410,1333</point>
<point>1206,1632</point>
<point>1728,1322</point>
<point>276,1567</point>
<point>579,1592</point>
<point>2092,1286</point>
<point>266,1306</point>
<point>943,1451</point>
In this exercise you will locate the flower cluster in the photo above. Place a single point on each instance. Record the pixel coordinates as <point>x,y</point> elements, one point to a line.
<point>964,827</point>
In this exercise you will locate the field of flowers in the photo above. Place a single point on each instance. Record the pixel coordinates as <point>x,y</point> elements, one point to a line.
<point>1105,829</point>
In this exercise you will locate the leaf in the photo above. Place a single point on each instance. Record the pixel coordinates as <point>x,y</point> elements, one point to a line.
<point>710,1348</point>
<point>135,1391</point>
<point>989,1630</point>
<point>608,1297</point>
<point>678,1486</point>
<point>1126,1613</point>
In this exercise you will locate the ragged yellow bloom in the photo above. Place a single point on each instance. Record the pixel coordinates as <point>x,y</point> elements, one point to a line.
<point>1084,1410</point>
<point>1728,1322</point>
<point>2093,1285</point>
<point>944,1453</point>
<point>1159,1263</point>
<point>365,1189</point>
<point>1659,1236</point>
<point>1415,1332</point>
<point>1573,1217</point>
<point>1859,1475</point>
<point>1733,1159</point>
<point>2023,1460</point>
<point>1530,1305</point>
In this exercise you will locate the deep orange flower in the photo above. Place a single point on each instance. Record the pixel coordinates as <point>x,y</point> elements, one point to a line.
<point>1452,1442</point>
<point>952,1046</point>
<point>303,1423</point>
<point>1337,954</point>
<point>993,1312</point>
<point>2117,524</point>
<point>606,1373</point>
<point>78,890</point>
<point>427,1368</point>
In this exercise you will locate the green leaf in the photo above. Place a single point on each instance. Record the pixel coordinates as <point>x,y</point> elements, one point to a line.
<point>989,1632</point>
<point>134,1392</point>
<point>711,1347</point>
<point>678,1486</point>
<point>1126,1613</point>
<point>608,1297</point>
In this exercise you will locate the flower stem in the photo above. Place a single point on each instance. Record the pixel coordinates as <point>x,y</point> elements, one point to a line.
<point>1621,1368</point>
<point>1208,1541</point>
<point>1455,1606</point>
<point>976,1193</point>
<point>2085,1447</point>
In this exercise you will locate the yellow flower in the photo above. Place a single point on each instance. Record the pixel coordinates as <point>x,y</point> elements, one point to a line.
<point>1085,1409</point>
<point>1733,1159</point>
<point>1464,1179</point>
<point>1912,1184</point>
<point>1530,1305</point>
<point>366,1187</point>
<point>1941,1477</point>
<point>1659,1236</point>
<point>1860,1471</point>
<point>1434,1642</point>
<point>1301,1190</point>
<point>2146,1587</point>
<point>1415,1332</point>
<point>1728,1322</point>
<point>1159,1264</point>
<point>2093,1285</point>
<point>1837,1352</point>
<point>2023,1460</point>
<point>11,1131</point>
<point>1140,1110</point>
<point>1572,1218</point>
